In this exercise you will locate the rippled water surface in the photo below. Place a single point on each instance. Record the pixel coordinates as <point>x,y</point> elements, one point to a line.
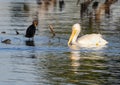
<point>47,60</point>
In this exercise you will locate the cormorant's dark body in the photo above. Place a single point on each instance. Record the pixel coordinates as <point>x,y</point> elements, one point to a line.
<point>30,32</point>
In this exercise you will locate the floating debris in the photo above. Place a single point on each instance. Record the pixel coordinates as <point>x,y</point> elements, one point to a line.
<point>3,32</point>
<point>6,41</point>
<point>51,29</point>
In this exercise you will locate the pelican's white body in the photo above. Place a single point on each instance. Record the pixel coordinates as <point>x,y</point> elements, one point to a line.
<point>91,40</point>
<point>88,40</point>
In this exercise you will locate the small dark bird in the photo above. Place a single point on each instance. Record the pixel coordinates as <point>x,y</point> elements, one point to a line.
<point>17,33</point>
<point>30,32</point>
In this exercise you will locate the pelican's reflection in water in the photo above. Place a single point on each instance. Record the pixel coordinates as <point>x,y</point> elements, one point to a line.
<point>29,43</point>
<point>75,63</point>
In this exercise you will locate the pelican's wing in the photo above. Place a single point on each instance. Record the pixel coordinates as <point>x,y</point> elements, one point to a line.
<point>89,39</point>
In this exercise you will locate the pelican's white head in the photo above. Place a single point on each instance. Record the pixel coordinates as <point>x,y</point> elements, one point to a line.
<point>76,28</point>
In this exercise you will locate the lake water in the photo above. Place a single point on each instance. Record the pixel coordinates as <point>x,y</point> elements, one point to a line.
<point>48,60</point>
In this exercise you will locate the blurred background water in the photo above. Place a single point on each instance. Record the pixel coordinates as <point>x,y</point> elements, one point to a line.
<point>47,60</point>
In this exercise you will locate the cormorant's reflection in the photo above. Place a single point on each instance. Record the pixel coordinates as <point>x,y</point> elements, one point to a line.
<point>33,56</point>
<point>29,43</point>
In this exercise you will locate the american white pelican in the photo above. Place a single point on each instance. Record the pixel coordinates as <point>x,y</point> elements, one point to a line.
<point>88,40</point>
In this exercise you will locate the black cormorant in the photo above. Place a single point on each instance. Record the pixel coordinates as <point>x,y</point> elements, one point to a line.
<point>30,32</point>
